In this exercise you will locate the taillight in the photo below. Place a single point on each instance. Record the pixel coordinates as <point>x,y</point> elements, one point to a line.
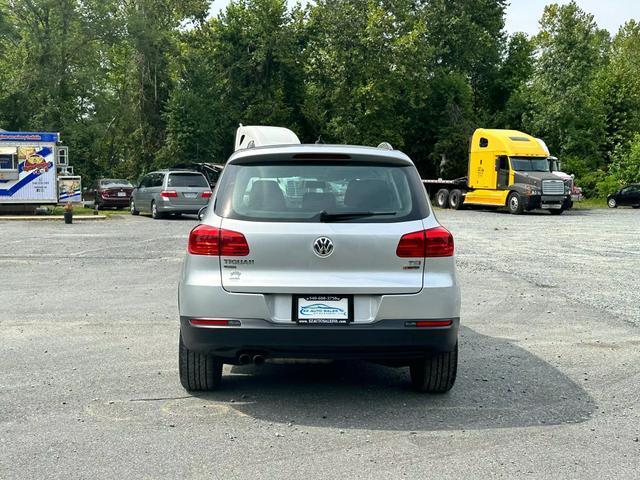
<point>411,245</point>
<point>206,194</point>
<point>169,194</point>
<point>204,240</point>
<point>439,242</point>
<point>207,240</point>
<point>233,244</point>
<point>434,242</point>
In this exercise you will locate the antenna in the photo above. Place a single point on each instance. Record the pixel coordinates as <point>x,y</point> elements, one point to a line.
<point>385,146</point>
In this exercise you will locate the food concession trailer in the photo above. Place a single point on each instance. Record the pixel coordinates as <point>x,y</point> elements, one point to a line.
<point>30,166</point>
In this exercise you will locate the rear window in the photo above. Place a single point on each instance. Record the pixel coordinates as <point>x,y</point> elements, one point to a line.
<point>115,182</point>
<point>313,192</point>
<point>187,180</point>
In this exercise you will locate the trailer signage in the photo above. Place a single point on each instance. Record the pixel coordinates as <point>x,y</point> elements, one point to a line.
<point>29,137</point>
<point>69,189</point>
<point>36,180</point>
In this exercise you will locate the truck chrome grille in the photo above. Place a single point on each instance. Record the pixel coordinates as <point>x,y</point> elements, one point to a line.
<point>553,187</point>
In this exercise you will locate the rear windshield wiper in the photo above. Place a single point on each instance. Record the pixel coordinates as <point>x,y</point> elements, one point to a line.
<point>324,216</point>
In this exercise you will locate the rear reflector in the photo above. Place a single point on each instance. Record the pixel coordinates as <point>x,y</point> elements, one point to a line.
<point>169,194</point>
<point>206,194</point>
<point>213,322</point>
<point>429,323</point>
<point>434,242</point>
<point>207,240</point>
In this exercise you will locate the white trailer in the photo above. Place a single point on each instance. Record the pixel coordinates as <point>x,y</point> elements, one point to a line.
<point>29,166</point>
<point>251,136</point>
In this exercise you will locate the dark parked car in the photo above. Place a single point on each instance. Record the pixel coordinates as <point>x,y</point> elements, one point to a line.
<point>110,193</point>
<point>626,196</point>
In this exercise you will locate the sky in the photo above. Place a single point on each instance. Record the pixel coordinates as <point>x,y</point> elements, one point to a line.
<point>523,15</point>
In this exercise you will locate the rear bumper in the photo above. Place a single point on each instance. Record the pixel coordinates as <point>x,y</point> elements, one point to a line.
<point>114,202</point>
<point>168,208</point>
<point>381,340</point>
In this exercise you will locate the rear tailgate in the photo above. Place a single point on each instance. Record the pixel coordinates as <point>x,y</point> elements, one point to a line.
<point>282,259</point>
<point>191,189</point>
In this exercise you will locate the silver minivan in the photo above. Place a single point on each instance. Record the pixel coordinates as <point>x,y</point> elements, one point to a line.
<point>319,252</point>
<point>170,192</point>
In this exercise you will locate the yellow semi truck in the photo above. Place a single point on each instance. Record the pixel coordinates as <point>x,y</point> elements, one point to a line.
<point>507,168</point>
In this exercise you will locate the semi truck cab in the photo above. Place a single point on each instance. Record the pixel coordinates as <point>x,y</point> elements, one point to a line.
<point>507,168</point>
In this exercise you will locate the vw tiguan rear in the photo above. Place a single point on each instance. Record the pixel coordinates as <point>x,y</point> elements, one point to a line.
<point>319,252</point>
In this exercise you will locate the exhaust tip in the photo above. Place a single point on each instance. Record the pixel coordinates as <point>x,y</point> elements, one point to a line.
<point>258,359</point>
<point>244,359</point>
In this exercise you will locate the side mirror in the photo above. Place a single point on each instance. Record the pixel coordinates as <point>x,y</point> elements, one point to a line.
<point>201,213</point>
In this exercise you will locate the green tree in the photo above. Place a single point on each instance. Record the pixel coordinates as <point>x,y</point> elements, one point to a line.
<point>48,70</point>
<point>467,37</point>
<point>565,112</point>
<point>511,92</point>
<point>626,162</point>
<point>242,67</point>
<point>618,87</point>
<point>363,64</point>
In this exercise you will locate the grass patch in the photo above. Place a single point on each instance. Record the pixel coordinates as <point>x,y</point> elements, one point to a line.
<point>591,203</point>
<point>78,210</point>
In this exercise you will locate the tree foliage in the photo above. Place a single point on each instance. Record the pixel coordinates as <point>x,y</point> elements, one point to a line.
<point>138,84</point>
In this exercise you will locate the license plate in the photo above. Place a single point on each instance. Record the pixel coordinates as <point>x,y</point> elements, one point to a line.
<point>190,195</point>
<point>122,194</point>
<point>322,309</point>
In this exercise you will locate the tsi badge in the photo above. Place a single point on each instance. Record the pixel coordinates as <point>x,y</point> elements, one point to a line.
<point>323,247</point>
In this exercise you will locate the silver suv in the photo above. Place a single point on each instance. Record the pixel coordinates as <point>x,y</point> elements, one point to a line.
<point>170,192</point>
<point>319,252</point>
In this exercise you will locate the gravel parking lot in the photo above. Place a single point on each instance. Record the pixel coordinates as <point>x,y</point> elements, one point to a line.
<point>547,387</point>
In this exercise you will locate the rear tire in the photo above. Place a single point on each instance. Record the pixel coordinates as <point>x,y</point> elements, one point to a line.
<point>455,199</point>
<point>132,208</point>
<point>199,372</point>
<point>435,374</point>
<point>611,203</point>
<point>442,198</point>
<point>514,203</point>
<point>155,214</point>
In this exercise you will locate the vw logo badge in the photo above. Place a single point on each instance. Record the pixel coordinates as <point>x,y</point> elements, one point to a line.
<point>323,247</point>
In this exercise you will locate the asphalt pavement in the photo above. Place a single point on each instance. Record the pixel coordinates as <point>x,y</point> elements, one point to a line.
<point>548,384</point>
